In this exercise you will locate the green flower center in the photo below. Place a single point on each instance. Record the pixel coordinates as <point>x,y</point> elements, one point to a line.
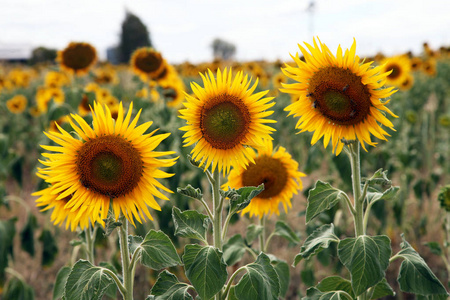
<point>224,121</point>
<point>336,101</point>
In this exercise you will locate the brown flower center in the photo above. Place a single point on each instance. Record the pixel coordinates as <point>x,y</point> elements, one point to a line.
<point>224,121</point>
<point>148,62</point>
<point>267,170</point>
<point>109,165</point>
<point>396,71</point>
<point>339,95</point>
<point>78,56</point>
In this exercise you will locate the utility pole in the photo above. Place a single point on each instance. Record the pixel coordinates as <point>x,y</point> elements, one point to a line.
<point>310,10</point>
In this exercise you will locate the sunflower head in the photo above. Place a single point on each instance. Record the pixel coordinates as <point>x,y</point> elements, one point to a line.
<point>338,96</point>
<point>17,104</point>
<point>77,58</point>
<point>147,63</point>
<point>400,67</point>
<point>279,174</point>
<point>223,118</point>
<point>113,162</point>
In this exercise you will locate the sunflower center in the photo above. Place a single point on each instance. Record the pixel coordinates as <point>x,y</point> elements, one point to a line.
<point>339,95</point>
<point>78,57</point>
<point>396,71</point>
<point>267,170</point>
<point>224,121</point>
<point>149,62</point>
<point>109,165</point>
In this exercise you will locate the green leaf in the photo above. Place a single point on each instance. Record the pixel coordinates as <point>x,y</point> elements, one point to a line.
<point>316,241</point>
<point>111,291</point>
<point>234,250</point>
<point>27,235</point>
<point>205,269</point>
<point>415,276</point>
<point>253,232</point>
<point>315,294</point>
<point>382,289</point>
<point>7,233</point>
<point>282,269</point>
<point>86,281</point>
<point>336,283</point>
<point>158,251</point>
<point>18,290</point>
<point>60,282</point>
<point>379,177</point>
<point>435,248</point>
<point>190,192</point>
<point>321,198</point>
<point>260,282</point>
<point>134,241</point>
<point>387,195</point>
<point>167,287</point>
<point>240,199</point>
<point>49,248</point>
<point>190,224</point>
<point>367,258</point>
<point>111,224</point>
<point>282,229</point>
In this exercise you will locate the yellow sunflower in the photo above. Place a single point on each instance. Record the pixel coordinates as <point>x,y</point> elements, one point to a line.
<point>223,118</point>
<point>55,79</point>
<point>84,106</point>
<point>147,63</point>
<point>174,93</point>
<point>77,58</point>
<point>429,67</point>
<point>17,104</point>
<point>400,67</point>
<point>280,175</point>
<point>416,63</point>
<point>44,95</point>
<point>112,163</point>
<point>407,83</point>
<point>339,97</point>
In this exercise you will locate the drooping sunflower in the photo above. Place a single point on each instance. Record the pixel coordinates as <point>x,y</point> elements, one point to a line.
<point>400,67</point>
<point>223,118</point>
<point>339,97</point>
<point>77,58</point>
<point>280,175</point>
<point>112,163</point>
<point>147,63</point>
<point>17,104</point>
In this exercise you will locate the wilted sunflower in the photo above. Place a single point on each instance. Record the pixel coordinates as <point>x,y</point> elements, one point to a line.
<point>147,63</point>
<point>339,97</point>
<point>77,58</point>
<point>114,162</point>
<point>400,67</point>
<point>17,104</point>
<point>223,118</point>
<point>280,175</point>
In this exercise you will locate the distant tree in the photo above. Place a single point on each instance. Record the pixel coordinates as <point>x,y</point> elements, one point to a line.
<point>223,49</point>
<point>134,35</point>
<point>42,54</point>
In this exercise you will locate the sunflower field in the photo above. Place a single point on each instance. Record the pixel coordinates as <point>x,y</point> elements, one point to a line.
<point>322,177</point>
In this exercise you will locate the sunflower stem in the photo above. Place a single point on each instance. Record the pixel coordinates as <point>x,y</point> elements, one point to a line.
<point>127,272</point>
<point>262,236</point>
<point>90,237</point>
<point>217,222</point>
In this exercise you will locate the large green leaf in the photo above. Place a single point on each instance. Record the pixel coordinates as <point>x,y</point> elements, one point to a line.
<point>316,241</point>
<point>367,258</point>
<point>87,282</point>
<point>282,229</point>
<point>234,250</point>
<point>205,269</point>
<point>388,194</point>
<point>7,233</point>
<point>60,283</point>
<point>253,232</point>
<point>282,269</point>
<point>191,192</point>
<point>158,251</point>
<point>335,283</point>
<point>260,282</point>
<point>167,287</point>
<point>111,291</point>
<point>315,294</point>
<point>415,276</point>
<point>27,234</point>
<point>49,247</point>
<point>382,289</point>
<point>17,289</point>
<point>190,224</point>
<point>321,198</point>
<point>240,199</point>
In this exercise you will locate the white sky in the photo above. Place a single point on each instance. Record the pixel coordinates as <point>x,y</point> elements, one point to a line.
<point>261,29</point>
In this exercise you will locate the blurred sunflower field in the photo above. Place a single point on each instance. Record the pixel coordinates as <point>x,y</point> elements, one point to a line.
<point>176,138</point>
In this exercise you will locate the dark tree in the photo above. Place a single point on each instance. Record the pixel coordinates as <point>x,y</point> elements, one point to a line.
<point>134,35</point>
<point>223,49</point>
<point>42,54</point>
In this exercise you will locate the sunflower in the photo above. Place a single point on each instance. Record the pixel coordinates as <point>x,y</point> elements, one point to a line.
<point>84,106</point>
<point>416,63</point>
<point>339,97</point>
<point>17,104</point>
<point>147,63</point>
<point>112,163</point>
<point>399,65</point>
<point>407,83</point>
<point>280,175</point>
<point>278,79</point>
<point>429,67</point>
<point>223,118</point>
<point>77,58</point>
<point>45,95</point>
<point>174,93</point>
<point>55,79</point>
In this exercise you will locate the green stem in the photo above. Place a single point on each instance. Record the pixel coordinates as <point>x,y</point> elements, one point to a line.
<point>266,245</point>
<point>356,184</point>
<point>89,245</point>
<point>116,280</point>
<point>262,236</point>
<point>217,222</point>
<point>125,255</point>
<point>230,281</point>
<point>225,226</point>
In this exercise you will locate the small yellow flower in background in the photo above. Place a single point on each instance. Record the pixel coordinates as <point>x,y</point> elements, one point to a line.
<point>142,93</point>
<point>113,163</point>
<point>223,118</point>
<point>45,95</point>
<point>400,67</point>
<point>19,78</point>
<point>407,83</point>
<point>77,58</point>
<point>429,67</point>
<point>17,104</point>
<point>106,74</point>
<point>339,97</point>
<point>174,93</point>
<point>280,175</point>
<point>55,79</point>
<point>147,63</point>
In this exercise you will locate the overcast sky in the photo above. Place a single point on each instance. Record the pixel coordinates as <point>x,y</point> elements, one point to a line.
<point>260,29</point>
